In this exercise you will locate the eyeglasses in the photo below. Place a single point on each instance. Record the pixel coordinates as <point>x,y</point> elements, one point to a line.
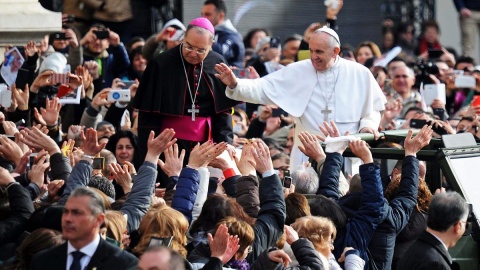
<point>249,249</point>
<point>191,48</point>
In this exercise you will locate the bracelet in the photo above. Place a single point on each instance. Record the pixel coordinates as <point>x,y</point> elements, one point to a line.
<point>88,156</point>
<point>229,173</point>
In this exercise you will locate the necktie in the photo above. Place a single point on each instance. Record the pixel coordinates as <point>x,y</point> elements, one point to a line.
<point>77,256</point>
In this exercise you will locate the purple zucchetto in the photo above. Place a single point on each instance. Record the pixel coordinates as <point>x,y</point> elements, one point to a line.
<point>203,23</point>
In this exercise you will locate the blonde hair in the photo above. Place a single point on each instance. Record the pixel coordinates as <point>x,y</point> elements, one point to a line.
<point>372,46</point>
<point>116,225</point>
<point>317,230</point>
<point>163,222</point>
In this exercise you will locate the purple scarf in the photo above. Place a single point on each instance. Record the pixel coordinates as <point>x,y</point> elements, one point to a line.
<point>239,265</point>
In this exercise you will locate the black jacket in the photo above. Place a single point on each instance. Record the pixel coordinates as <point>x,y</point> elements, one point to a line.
<point>107,256</point>
<point>21,208</point>
<point>427,253</point>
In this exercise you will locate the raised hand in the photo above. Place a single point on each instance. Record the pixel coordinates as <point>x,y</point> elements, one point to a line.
<point>42,80</point>
<point>261,153</point>
<point>92,68</point>
<point>157,145</point>
<point>9,150</point>
<point>122,176</point>
<point>30,49</point>
<point>203,154</point>
<point>311,147</point>
<point>10,128</point>
<point>291,234</point>
<point>223,246</point>
<point>360,149</point>
<point>53,188</point>
<point>49,116</point>
<point>35,138</point>
<point>413,145</point>
<point>173,161</point>
<point>246,164</point>
<point>90,144</point>
<point>21,96</point>
<point>100,99</point>
<point>225,74</point>
<point>37,172</point>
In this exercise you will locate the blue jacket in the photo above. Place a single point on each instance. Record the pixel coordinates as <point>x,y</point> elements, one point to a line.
<point>398,213</point>
<point>360,227</point>
<point>229,44</point>
<point>186,192</point>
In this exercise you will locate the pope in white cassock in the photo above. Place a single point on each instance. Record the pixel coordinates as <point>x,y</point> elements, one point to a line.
<point>323,88</point>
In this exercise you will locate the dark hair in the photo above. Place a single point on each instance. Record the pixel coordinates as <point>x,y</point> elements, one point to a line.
<point>446,209</point>
<point>132,41</point>
<point>281,156</point>
<point>219,5</point>
<point>416,109</point>
<point>214,209</point>
<point>464,59</point>
<point>103,184</point>
<point>272,143</point>
<point>38,240</point>
<point>324,207</point>
<point>135,52</point>
<point>430,23</point>
<point>295,37</point>
<point>297,206</point>
<point>99,26</point>
<point>113,141</point>
<point>248,37</point>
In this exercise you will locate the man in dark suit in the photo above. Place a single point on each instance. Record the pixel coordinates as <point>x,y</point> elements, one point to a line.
<point>447,221</point>
<point>82,217</point>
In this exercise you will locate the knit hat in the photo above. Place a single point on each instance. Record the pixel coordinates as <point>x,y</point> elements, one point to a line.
<point>329,31</point>
<point>203,23</point>
<point>55,62</point>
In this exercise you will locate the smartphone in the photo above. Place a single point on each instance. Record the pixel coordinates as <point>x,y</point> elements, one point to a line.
<point>157,241</point>
<point>70,18</point>
<point>119,95</point>
<point>32,160</point>
<point>440,113</point>
<point>104,34</point>
<point>59,78</point>
<point>274,42</point>
<point>465,81</point>
<point>417,123</point>
<point>277,112</point>
<point>98,163</point>
<point>476,101</point>
<point>241,73</point>
<point>128,84</point>
<point>434,53</point>
<point>287,179</point>
<point>6,98</point>
<point>59,36</point>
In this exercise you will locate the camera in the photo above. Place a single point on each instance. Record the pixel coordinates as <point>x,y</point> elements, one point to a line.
<point>423,70</point>
<point>119,95</point>
<point>59,36</point>
<point>101,34</point>
<point>5,96</point>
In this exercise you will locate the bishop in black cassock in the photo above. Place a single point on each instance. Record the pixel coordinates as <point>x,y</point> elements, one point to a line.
<point>164,98</point>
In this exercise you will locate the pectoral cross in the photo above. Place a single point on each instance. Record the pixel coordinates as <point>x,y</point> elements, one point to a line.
<point>193,111</point>
<point>325,112</point>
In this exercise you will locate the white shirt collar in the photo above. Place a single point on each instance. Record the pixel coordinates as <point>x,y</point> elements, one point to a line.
<point>89,249</point>
<point>439,240</point>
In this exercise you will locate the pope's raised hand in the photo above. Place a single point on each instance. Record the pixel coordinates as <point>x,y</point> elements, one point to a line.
<point>225,74</point>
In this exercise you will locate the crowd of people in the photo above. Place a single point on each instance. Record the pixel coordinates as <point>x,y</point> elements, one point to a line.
<point>197,148</point>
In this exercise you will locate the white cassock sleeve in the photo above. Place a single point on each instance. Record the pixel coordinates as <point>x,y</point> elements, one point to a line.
<point>371,120</point>
<point>249,91</point>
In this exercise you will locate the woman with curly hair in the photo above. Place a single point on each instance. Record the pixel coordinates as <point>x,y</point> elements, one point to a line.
<point>418,219</point>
